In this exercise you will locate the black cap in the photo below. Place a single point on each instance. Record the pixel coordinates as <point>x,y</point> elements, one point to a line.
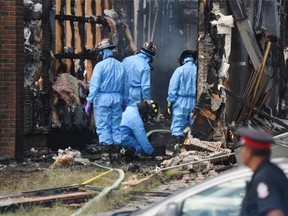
<point>188,53</point>
<point>254,138</point>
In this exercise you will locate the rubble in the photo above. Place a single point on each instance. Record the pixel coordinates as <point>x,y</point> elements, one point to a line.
<point>210,132</point>
<point>65,158</point>
<point>194,143</point>
<point>135,181</point>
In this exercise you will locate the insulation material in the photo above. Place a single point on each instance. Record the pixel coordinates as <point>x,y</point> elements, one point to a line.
<point>223,71</point>
<point>66,88</point>
<point>67,110</point>
<point>224,26</point>
<point>65,158</point>
<point>285,53</point>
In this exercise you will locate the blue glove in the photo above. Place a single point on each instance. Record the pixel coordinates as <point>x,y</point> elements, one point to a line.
<point>124,105</point>
<point>88,108</point>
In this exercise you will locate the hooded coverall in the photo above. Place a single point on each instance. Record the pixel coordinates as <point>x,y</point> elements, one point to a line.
<point>107,92</point>
<point>133,132</point>
<point>181,94</point>
<point>138,74</point>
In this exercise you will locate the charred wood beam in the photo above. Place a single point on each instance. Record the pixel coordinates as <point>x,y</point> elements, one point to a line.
<point>71,21</point>
<point>92,19</point>
<point>245,29</point>
<point>46,60</point>
<point>81,56</point>
<point>255,109</point>
<point>284,67</point>
<point>100,20</point>
<point>62,24</point>
<point>258,16</point>
<point>82,27</point>
<point>238,9</point>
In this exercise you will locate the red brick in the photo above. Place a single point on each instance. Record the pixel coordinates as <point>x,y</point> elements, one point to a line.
<point>10,46</point>
<point>11,82</point>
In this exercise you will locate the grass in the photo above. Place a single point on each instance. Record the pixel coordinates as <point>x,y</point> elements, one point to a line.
<point>15,182</point>
<point>56,210</point>
<point>49,178</point>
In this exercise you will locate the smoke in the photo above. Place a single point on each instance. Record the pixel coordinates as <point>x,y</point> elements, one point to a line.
<point>176,31</point>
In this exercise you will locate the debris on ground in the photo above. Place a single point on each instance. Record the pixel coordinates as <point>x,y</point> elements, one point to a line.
<point>65,157</point>
<point>134,181</point>
<point>67,195</point>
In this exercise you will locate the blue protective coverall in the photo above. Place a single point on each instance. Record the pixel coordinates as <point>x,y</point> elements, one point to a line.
<point>133,131</point>
<point>181,94</point>
<point>107,93</point>
<point>138,74</point>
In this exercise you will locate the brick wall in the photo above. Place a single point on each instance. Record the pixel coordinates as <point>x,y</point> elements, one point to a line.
<point>11,78</point>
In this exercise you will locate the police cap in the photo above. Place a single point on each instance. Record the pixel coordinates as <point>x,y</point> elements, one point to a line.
<point>256,139</point>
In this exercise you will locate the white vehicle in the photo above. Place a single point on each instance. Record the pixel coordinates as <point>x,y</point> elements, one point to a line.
<point>217,196</point>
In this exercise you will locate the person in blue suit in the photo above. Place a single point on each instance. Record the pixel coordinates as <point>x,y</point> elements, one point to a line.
<point>181,94</point>
<point>134,139</point>
<point>107,94</point>
<point>138,73</point>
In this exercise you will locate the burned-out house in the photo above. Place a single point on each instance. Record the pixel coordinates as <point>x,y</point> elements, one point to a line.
<point>48,55</point>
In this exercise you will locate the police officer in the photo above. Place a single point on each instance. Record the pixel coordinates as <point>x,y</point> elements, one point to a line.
<point>181,94</point>
<point>267,192</point>
<point>106,95</point>
<point>134,139</point>
<point>138,73</point>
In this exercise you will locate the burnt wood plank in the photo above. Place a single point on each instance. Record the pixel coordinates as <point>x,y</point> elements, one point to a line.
<point>250,43</point>
<point>89,39</point>
<point>44,199</point>
<point>98,28</point>
<point>246,32</point>
<point>68,35</point>
<point>238,9</point>
<point>77,30</point>
<point>58,36</point>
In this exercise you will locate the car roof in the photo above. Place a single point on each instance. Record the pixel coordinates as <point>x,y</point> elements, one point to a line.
<point>234,173</point>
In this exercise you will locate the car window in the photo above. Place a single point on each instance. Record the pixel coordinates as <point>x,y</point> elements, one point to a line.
<point>221,200</point>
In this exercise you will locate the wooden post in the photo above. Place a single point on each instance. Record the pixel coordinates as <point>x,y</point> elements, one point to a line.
<point>77,30</point>
<point>58,40</point>
<point>106,4</point>
<point>246,32</point>
<point>144,22</point>
<point>98,29</point>
<point>136,9</point>
<point>68,35</point>
<point>89,39</point>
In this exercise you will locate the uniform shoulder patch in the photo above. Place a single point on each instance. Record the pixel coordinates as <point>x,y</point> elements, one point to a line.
<point>262,190</point>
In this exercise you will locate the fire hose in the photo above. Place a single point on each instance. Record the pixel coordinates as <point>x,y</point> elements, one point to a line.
<point>104,192</point>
